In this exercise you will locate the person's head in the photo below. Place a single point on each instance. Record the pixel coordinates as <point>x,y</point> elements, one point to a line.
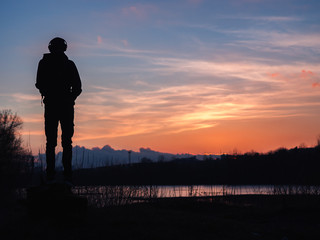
<point>57,45</point>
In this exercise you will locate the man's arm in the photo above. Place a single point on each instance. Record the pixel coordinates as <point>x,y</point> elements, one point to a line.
<point>40,80</point>
<point>76,81</point>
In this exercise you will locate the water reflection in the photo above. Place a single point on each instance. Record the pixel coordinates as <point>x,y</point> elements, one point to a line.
<point>102,196</point>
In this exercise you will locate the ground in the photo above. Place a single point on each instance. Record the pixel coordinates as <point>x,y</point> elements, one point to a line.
<point>169,219</point>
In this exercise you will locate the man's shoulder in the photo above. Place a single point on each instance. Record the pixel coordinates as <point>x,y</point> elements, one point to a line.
<point>44,58</point>
<point>71,62</point>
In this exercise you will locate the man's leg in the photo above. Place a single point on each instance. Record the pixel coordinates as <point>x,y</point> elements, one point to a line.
<point>67,127</point>
<point>51,129</point>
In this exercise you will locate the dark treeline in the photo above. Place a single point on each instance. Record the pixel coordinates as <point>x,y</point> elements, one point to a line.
<point>294,166</point>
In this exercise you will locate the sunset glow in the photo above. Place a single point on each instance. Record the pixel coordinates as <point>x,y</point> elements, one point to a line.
<point>183,76</point>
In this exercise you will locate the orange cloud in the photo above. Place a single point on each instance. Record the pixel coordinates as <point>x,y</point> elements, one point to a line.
<point>274,75</point>
<point>316,84</point>
<point>120,116</point>
<point>294,76</point>
<point>306,74</point>
<point>310,76</point>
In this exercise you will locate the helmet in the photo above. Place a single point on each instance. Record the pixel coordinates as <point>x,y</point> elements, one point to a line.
<point>57,45</point>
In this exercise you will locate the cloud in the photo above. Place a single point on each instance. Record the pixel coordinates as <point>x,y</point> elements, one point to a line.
<point>32,133</point>
<point>310,76</point>
<point>22,97</point>
<point>270,42</point>
<point>304,76</point>
<point>33,118</point>
<point>289,43</point>
<point>125,42</point>
<point>138,11</point>
<point>241,70</point>
<point>104,47</point>
<point>185,92</point>
<point>294,39</point>
<point>134,11</point>
<point>249,90</point>
<point>99,40</point>
<point>268,18</point>
<point>273,18</point>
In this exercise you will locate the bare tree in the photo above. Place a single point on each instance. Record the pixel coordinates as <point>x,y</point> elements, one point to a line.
<point>10,140</point>
<point>14,159</point>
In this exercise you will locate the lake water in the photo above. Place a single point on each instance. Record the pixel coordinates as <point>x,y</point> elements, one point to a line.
<point>101,196</point>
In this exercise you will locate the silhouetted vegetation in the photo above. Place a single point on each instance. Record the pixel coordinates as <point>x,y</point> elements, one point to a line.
<point>294,166</point>
<point>14,159</point>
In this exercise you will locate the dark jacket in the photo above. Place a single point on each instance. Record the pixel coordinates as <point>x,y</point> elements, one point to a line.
<point>58,79</point>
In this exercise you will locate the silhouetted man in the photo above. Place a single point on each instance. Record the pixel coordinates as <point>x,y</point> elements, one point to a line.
<point>59,83</point>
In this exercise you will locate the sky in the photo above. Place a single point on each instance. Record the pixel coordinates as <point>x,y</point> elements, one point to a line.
<point>177,76</point>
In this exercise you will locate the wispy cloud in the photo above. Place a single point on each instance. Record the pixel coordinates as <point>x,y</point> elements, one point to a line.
<point>140,11</point>
<point>33,118</point>
<point>173,93</point>
<point>22,97</point>
<point>242,91</point>
<point>280,39</point>
<point>110,47</point>
<point>32,133</point>
<point>263,18</point>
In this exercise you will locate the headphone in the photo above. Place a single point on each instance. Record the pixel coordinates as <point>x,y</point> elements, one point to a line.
<point>57,45</point>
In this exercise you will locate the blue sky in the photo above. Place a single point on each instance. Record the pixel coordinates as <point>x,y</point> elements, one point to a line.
<point>178,76</point>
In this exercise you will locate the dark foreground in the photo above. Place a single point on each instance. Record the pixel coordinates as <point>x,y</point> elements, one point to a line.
<point>236,217</point>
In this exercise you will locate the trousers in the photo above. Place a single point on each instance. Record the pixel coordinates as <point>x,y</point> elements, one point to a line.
<point>55,113</point>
